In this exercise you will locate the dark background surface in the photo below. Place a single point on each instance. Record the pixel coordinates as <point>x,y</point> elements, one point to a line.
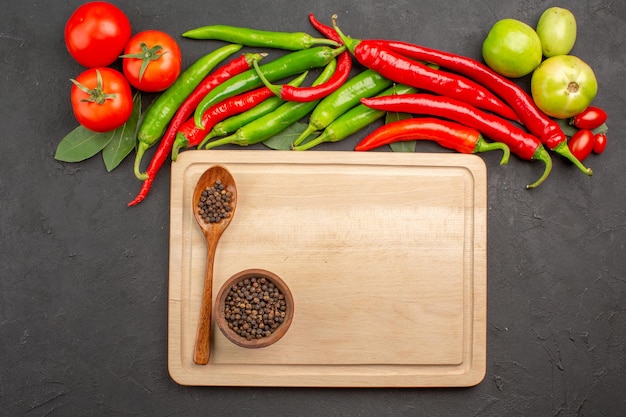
<point>84,279</point>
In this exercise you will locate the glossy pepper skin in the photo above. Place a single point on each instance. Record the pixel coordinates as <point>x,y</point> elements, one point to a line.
<point>352,121</point>
<point>158,116</point>
<point>226,71</point>
<point>537,122</point>
<point>341,75</point>
<point>365,84</point>
<point>400,69</point>
<point>190,135</point>
<point>448,134</point>
<point>282,67</point>
<point>289,41</point>
<point>520,142</point>
<point>275,122</point>
<point>304,94</point>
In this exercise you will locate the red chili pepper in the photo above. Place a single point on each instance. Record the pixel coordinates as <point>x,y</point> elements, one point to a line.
<point>232,68</point>
<point>403,70</point>
<point>305,94</point>
<point>325,30</point>
<point>521,143</point>
<point>446,133</point>
<point>537,122</point>
<point>591,118</point>
<point>190,134</point>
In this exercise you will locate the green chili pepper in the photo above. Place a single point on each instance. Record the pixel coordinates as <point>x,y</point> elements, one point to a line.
<point>290,41</point>
<point>161,111</point>
<point>282,67</point>
<point>275,122</point>
<point>233,123</point>
<point>365,84</point>
<point>353,120</point>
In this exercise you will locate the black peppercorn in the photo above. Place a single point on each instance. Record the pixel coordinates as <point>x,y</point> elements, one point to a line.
<point>255,307</point>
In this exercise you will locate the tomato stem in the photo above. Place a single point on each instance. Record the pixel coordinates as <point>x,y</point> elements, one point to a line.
<point>146,55</point>
<point>96,94</point>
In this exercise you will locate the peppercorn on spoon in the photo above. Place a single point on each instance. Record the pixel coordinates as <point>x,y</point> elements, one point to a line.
<point>212,231</point>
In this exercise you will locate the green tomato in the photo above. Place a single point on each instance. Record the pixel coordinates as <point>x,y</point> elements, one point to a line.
<point>512,48</point>
<point>557,30</point>
<point>563,86</point>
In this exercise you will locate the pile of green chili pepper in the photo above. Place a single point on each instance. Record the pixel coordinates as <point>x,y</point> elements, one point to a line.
<point>252,98</point>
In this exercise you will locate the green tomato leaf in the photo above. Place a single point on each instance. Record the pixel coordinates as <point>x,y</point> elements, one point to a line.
<point>284,140</point>
<point>124,138</point>
<point>603,128</point>
<point>403,146</point>
<point>567,129</point>
<point>80,144</point>
<point>570,130</point>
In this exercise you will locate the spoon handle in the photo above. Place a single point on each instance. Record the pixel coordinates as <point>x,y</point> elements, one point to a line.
<point>203,334</point>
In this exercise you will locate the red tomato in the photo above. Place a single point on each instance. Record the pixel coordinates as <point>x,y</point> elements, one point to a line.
<point>581,144</point>
<point>102,99</point>
<point>96,33</point>
<point>600,143</point>
<point>590,118</point>
<point>152,61</point>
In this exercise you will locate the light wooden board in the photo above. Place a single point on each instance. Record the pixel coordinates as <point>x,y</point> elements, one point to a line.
<point>385,254</point>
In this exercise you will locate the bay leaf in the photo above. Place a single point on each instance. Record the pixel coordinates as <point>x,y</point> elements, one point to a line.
<point>402,146</point>
<point>124,138</point>
<point>80,144</point>
<point>284,140</point>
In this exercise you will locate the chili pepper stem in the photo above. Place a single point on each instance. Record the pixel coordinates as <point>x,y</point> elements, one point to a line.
<point>310,144</point>
<point>542,155</point>
<point>273,88</point>
<point>563,150</point>
<point>181,141</point>
<point>228,140</point>
<point>347,41</point>
<point>483,146</point>
<point>141,149</point>
<point>308,131</point>
<point>207,138</point>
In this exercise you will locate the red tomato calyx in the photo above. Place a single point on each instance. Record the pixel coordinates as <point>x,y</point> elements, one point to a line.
<point>146,55</point>
<point>97,94</point>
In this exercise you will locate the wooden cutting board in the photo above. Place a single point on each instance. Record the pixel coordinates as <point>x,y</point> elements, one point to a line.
<point>385,254</point>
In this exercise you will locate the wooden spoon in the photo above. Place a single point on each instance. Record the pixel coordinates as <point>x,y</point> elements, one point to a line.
<point>212,233</point>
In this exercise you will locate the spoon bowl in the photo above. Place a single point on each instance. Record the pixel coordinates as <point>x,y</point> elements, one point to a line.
<point>219,177</point>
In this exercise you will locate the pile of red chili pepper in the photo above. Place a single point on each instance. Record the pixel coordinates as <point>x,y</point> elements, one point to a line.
<point>453,100</point>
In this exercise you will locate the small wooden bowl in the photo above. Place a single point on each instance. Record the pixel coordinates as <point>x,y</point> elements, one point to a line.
<point>222,322</point>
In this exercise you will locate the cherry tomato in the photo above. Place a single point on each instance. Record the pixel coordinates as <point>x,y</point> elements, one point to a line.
<point>590,118</point>
<point>563,86</point>
<point>600,143</point>
<point>96,33</point>
<point>152,61</point>
<point>102,99</point>
<point>581,144</point>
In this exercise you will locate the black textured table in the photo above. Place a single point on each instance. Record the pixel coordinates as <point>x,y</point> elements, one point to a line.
<point>84,278</point>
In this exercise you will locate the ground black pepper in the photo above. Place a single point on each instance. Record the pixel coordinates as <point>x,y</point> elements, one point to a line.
<point>214,204</point>
<point>254,308</point>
